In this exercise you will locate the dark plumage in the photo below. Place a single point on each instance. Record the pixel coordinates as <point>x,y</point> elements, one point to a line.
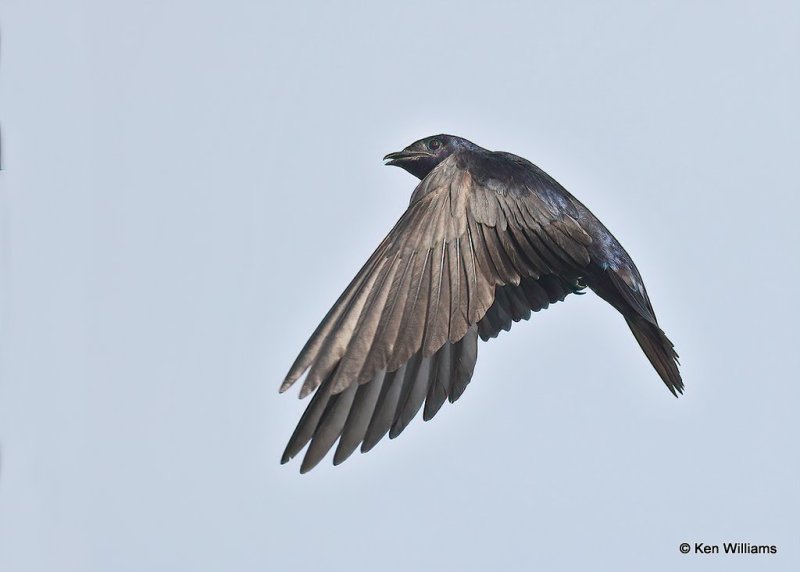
<point>488,238</point>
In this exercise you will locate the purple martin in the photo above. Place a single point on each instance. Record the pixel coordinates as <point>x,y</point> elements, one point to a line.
<point>488,238</point>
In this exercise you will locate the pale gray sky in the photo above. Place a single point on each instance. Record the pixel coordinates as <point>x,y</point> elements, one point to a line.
<point>188,186</point>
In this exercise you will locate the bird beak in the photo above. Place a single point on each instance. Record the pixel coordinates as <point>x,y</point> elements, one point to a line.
<point>398,158</point>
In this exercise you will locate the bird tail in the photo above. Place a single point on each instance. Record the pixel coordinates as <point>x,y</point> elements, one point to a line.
<point>624,290</point>
<point>659,350</point>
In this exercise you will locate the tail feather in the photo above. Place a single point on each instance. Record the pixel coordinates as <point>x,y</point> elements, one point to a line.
<point>624,290</point>
<point>659,350</point>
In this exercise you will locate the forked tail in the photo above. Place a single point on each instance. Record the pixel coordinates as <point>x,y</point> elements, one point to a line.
<point>623,289</point>
<point>659,350</point>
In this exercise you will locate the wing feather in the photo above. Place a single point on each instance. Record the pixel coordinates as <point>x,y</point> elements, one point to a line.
<point>417,381</point>
<point>364,332</point>
<point>329,428</point>
<point>436,329</point>
<point>439,385</point>
<point>502,263</point>
<point>385,409</point>
<point>355,427</point>
<point>352,293</point>
<point>415,316</point>
<point>465,354</point>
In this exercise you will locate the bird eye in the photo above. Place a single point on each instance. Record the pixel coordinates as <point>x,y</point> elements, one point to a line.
<point>434,144</point>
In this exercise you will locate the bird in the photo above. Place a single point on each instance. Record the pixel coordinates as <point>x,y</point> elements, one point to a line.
<point>487,238</point>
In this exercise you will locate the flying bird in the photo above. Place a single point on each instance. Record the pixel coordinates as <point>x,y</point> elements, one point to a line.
<point>488,238</point>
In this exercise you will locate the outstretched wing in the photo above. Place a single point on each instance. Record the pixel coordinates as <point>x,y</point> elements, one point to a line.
<point>470,255</point>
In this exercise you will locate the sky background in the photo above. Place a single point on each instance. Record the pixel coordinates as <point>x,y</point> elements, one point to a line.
<point>188,186</point>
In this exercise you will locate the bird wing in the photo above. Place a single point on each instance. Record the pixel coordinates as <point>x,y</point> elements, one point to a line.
<point>469,255</point>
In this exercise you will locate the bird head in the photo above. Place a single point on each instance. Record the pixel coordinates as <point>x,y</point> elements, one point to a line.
<point>422,156</point>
